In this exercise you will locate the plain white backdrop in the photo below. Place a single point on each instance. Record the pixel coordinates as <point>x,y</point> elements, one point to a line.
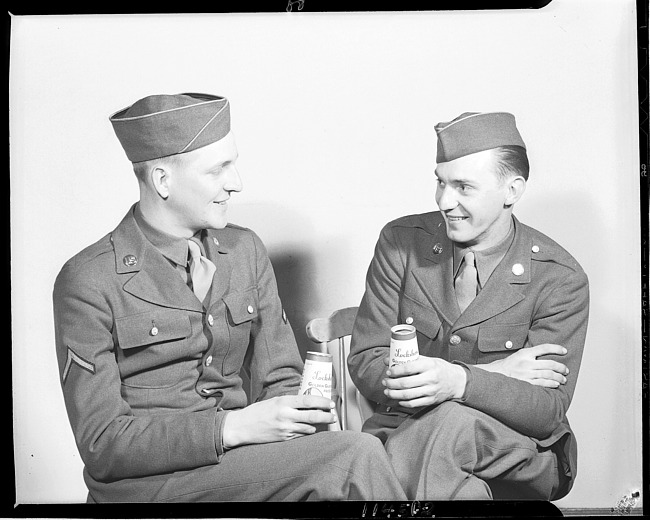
<point>333,116</point>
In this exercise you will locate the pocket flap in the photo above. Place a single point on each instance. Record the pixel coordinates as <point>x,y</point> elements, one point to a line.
<point>506,338</point>
<point>152,327</point>
<point>242,306</point>
<point>425,318</point>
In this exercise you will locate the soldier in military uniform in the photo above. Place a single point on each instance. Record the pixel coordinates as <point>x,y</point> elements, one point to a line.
<point>156,321</point>
<point>501,315</point>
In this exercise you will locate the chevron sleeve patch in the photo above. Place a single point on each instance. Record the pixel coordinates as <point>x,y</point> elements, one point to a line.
<point>74,358</point>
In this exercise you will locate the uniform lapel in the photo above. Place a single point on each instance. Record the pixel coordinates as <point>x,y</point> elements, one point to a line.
<point>435,275</point>
<point>504,288</point>
<point>154,279</point>
<point>218,254</point>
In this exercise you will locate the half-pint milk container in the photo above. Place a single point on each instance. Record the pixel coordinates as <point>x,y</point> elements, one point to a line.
<point>317,375</point>
<point>403,344</point>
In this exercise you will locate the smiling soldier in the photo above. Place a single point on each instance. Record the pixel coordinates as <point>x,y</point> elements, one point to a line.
<point>481,413</point>
<point>156,322</point>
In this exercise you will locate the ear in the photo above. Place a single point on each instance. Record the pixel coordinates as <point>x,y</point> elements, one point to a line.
<point>516,188</point>
<point>160,180</point>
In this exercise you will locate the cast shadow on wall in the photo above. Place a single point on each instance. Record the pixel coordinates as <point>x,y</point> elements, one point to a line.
<point>294,272</point>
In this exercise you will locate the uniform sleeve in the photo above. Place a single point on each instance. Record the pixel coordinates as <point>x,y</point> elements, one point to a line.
<point>377,313</point>
<point>275,363</point>
<point>561,318</point>
<point>113,442</point>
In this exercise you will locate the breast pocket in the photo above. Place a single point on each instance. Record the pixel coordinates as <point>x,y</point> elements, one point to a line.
<point>424,318</point>
<point>499,341</point>
<point>153,351</point>
<point>242,311</point>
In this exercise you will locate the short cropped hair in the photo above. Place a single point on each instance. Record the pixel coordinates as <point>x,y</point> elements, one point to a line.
<point>511,160</point>
<point>143,168</point>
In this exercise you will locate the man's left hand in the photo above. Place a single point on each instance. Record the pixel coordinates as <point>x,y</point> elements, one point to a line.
<point>424,382</point>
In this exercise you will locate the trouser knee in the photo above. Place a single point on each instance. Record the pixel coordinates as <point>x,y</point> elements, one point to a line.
<point>455,419</point>
<point>362,444</point>
<point>370,474</point>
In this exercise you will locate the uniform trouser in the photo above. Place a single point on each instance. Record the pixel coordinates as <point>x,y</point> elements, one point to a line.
<point>325,466</point>
<point>453,452</point>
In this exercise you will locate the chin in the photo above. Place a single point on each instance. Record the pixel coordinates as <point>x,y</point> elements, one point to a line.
<point>216,221</point>
<point>461,238</point>
<point>454,235</point>
<point>219,224</point>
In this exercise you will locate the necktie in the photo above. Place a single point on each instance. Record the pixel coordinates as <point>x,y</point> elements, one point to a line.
<point>466,282</point>
<point>202,270</point>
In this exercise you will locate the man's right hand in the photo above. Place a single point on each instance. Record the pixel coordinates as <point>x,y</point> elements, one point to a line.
<point>277,419</point>
<point>525,366</point>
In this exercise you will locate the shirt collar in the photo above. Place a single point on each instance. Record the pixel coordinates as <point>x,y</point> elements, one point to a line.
<point>486,260</point>
<point>173,248</point>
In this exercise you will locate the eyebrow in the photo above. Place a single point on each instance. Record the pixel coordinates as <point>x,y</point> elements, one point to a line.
<point>455,181</point>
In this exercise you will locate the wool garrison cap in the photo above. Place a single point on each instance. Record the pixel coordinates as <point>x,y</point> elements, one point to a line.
<point>161,125</point>
<point>474,132</point>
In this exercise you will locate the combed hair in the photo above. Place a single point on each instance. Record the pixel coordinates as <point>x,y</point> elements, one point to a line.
<point>511,160</point>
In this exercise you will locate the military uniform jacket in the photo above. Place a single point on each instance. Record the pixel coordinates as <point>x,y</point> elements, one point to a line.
<point>148,372</point>
<point>544,299</point>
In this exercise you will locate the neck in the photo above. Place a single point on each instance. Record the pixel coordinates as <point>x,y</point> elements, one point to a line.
<point>158,217</point>
<point>492,237</point>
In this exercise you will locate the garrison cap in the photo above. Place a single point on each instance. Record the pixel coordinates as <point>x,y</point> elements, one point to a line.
<point>162,125</point>
<point>473,132</point>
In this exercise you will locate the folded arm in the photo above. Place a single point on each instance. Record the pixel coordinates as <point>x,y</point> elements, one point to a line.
<point>561,318</point>
<point>530,390</point>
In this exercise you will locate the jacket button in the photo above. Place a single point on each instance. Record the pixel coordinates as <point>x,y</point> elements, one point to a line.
<point>535,249</point>
<point>250,309</point>
<point>508,344</point>
<point>210,320</point>
<point>208,361</point>
<point>409,320</point>
<point>454,339</point>
<point>388,408</point>
<point>154,331</point>
<point>517,269</point>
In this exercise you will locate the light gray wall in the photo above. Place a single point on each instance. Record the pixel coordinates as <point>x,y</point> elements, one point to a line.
<point>333,116</point>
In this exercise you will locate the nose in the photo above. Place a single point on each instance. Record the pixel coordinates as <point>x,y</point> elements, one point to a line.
<point>445,198</point>
<point>233,181</point>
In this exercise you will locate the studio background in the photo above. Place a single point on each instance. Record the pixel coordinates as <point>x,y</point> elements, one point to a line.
<point>333,116</point>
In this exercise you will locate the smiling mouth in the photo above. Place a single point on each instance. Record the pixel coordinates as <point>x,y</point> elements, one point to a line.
<point>456,219</point>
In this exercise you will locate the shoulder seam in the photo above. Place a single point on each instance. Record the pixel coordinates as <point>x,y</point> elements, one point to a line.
<point>237,226</point>
<point>83,257</point>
